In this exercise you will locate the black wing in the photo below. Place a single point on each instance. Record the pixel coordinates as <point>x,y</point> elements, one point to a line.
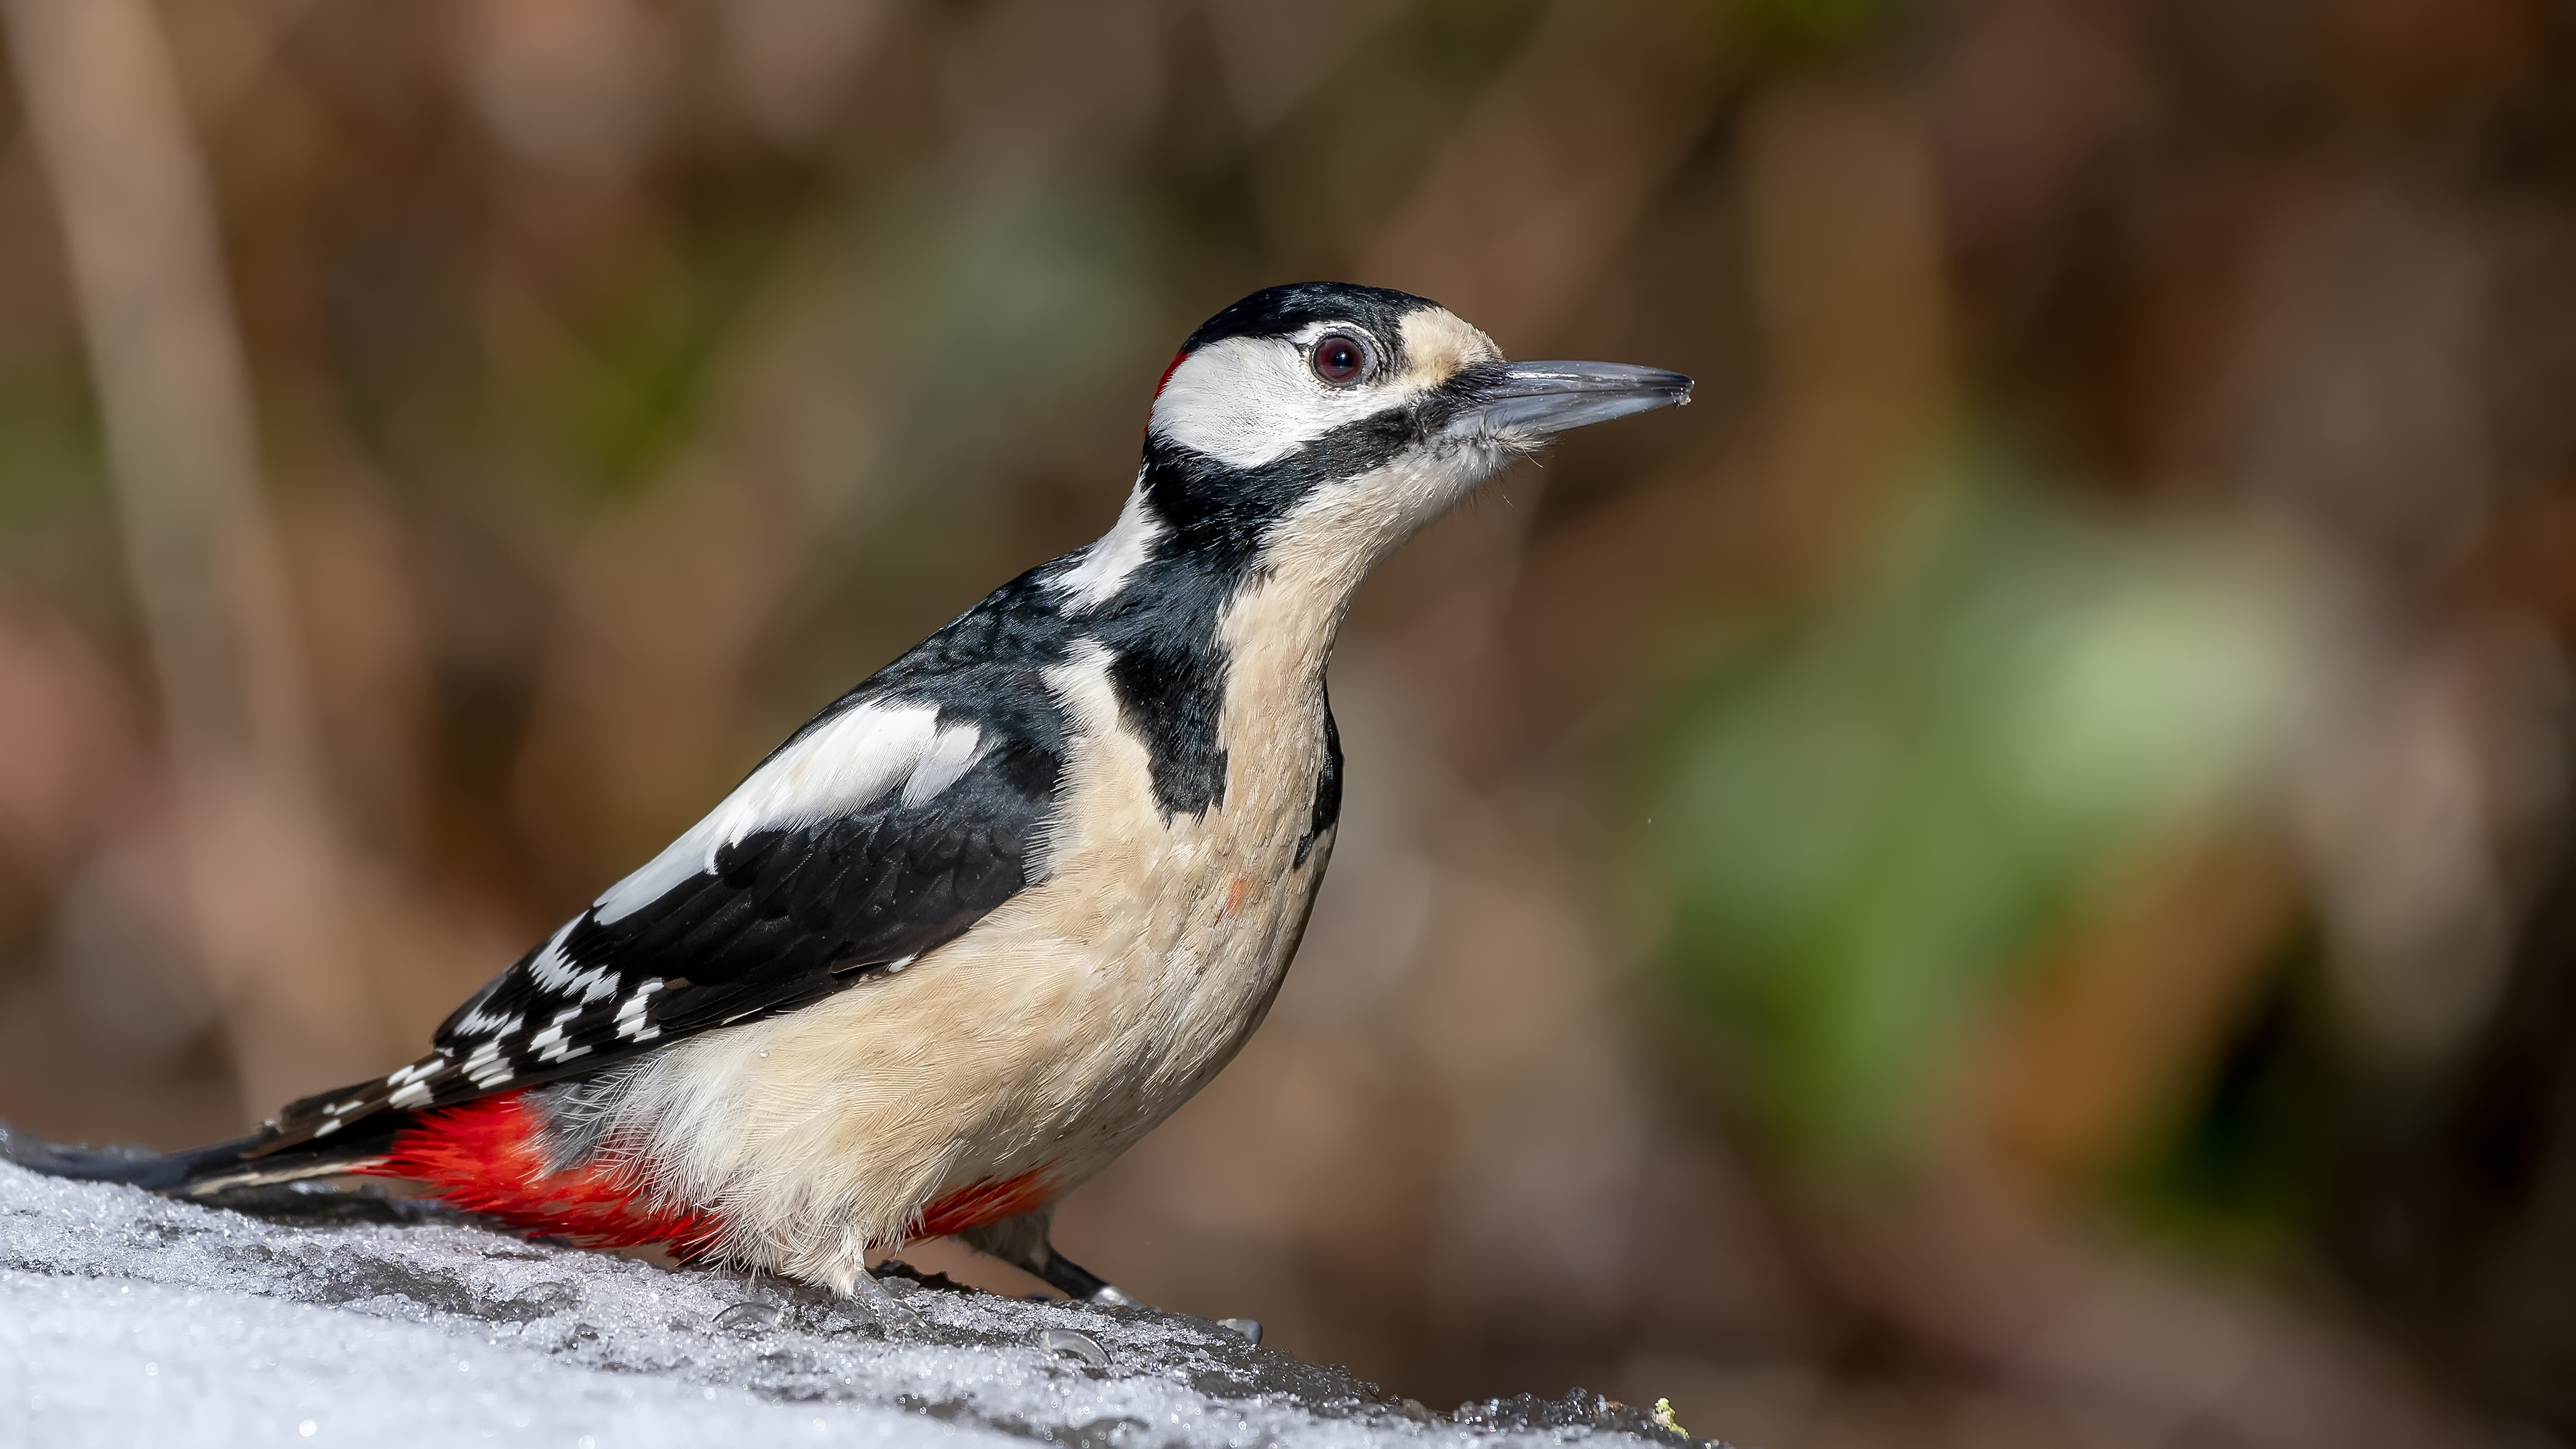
<point>792,889</point>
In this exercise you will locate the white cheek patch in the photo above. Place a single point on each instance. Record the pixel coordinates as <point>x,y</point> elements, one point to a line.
<point>1247,401</point>
<point>853,760</point>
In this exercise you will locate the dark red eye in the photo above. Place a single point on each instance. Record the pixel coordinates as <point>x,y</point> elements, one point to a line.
<point>1341,359</point>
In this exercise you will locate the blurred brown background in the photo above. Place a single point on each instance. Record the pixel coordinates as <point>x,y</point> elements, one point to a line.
<point>1997,881</point>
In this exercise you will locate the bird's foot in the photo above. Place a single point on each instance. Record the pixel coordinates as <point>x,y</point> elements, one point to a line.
<point>1082,1285</point>
<point>891,1315</point>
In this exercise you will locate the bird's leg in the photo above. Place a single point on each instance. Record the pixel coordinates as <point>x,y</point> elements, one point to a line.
<point>1022,1242</point>
<point>1080,1282</point>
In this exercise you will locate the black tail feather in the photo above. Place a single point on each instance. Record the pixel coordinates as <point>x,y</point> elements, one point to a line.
<point>206,1168</point>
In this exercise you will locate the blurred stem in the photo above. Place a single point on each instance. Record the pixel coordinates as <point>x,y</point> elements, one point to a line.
<point>1852,299</point>
<point>165,355</point>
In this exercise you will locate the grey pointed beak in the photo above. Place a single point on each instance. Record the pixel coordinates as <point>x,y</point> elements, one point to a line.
<point>1540,399</point>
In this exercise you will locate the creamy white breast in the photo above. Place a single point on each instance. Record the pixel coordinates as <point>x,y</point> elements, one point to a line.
<point>1062,1028</point>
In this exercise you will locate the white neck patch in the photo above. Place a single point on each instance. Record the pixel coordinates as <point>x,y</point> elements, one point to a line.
<point>1104,567</point>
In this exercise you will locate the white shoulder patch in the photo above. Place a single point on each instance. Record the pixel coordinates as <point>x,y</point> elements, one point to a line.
<point>1106,566</point>
<point>853,760</point>
<point>953,751</point>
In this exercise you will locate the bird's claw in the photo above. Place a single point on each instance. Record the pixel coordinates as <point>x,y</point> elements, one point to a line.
<point>892,1316</point>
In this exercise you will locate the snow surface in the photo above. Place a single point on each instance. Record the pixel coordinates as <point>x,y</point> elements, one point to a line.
<point>322,1319</point>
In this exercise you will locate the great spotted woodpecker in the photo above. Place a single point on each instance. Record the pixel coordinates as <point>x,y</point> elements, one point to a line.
<point>994,914</point>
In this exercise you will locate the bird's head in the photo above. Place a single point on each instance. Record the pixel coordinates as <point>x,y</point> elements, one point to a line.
<point>1326,422</point>
<point>1377,406</point>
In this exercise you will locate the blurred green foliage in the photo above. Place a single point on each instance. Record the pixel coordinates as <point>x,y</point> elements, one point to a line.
<point>1864,823</point>
<point>50,454</point>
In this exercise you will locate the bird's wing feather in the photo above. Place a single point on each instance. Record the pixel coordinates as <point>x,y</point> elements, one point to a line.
<point>879,832</point>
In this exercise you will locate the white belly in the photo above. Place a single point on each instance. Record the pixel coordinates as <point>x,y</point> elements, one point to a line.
<point>1048,1039</point>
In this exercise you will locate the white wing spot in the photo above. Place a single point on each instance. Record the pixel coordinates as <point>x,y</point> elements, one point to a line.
<point>495,1025</point>
<point>630,1013</point>
<point>552,968</point>
<point>550,1046</point>
<point>590,985</point>
<point>487,1068</point>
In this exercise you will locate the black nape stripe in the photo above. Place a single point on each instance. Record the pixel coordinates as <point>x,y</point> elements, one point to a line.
<point>1170,672</point>
<point>1171,668</point>
<point>1328,788</point>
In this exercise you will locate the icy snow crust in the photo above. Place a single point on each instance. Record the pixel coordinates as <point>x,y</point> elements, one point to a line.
<point>128,1318</point>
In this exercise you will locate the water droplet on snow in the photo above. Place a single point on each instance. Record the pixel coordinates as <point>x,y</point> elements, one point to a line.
<point>750,1318</point>
<point>1250,1328</point>
<point>1065,1343</point>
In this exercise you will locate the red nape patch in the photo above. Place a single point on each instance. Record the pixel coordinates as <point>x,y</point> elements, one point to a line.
<point>1163,382</point>
<point>985,1202</point>
<point>488,1156</point>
